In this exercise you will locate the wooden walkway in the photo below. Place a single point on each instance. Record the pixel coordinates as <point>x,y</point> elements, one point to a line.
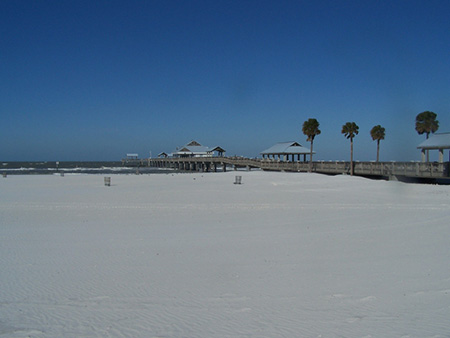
<point>380,169</point>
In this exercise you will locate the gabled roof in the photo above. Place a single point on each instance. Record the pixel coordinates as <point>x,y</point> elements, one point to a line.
<point>219,149</point>
<point>194,147</point>
<point>436,141</point>
<point>291,147</point>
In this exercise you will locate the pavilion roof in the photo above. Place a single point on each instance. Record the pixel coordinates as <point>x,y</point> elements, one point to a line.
<point>219,149</point>
<point>287,148</point>
<point>194,147</point>
<point>436,141</point>
<point>163,154</point>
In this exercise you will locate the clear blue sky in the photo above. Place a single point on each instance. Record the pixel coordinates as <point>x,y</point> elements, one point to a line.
<point>94,80</point>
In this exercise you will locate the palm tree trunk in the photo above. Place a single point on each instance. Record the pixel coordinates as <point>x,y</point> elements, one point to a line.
<point>378,151</point>
<point>310,156</point>
<point>428,152</point>
<point>351,156</point>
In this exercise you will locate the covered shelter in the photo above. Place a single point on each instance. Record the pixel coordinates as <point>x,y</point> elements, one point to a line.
<point>286,151</point>
<point>195,149</point>
<point>219,150</point>
<point>132,156</point>
<point>438,141</point>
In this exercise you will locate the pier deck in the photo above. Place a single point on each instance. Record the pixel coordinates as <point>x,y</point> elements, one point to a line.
<point>380,169</point>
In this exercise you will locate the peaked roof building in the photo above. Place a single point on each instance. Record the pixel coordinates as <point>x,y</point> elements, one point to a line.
<point>438,141</point>
<point>283,150</point>
<point>195,149</point>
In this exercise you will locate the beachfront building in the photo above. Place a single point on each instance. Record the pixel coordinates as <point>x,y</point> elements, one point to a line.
<point>438,141</point>
<point>286,151</point>
<point>195,149</point>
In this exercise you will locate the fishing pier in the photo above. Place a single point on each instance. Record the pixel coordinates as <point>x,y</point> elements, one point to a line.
<point>390,170</point>
<point>286,156</point>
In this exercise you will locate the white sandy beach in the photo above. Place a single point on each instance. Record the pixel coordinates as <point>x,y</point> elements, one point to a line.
<point>194,255</point>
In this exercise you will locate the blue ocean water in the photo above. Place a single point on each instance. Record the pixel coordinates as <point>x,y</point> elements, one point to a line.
<point>70,167</point>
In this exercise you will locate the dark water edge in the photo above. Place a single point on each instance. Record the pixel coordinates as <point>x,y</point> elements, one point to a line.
<point>75,167</point>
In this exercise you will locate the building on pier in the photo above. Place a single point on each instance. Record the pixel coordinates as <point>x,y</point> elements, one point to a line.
<point>286,152</point>
<point>195,149</point>
<point>438,141</point>
<point>164,155</point>
<point>132,156</point>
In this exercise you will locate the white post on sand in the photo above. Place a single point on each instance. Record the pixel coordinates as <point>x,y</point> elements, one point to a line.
<point>107,181</point>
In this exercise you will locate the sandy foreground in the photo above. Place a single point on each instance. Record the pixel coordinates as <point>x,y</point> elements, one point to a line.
<point>194,255</point>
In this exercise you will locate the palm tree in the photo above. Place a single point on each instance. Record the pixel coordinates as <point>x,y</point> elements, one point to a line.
<point>311,129</point>
<point>426,123</point>
<point>350,130</point>
<point>378,133</point>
